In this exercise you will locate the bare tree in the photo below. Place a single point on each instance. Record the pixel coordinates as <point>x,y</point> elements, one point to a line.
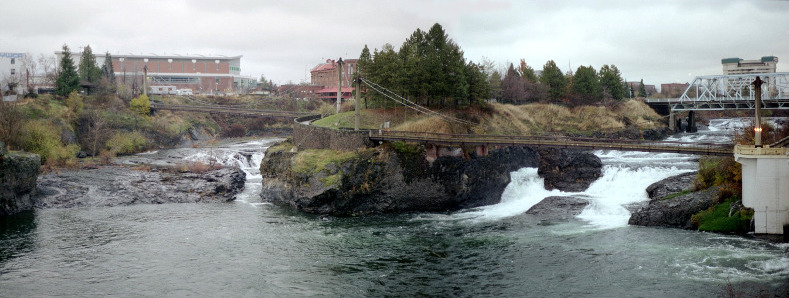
<point>47,64</point>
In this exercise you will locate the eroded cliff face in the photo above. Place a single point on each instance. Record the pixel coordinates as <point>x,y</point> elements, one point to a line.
<point>395,180</point>
<point>18,174</point>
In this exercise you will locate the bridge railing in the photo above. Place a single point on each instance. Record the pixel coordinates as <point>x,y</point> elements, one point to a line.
<point>553,141</point>
<point>737,87</point>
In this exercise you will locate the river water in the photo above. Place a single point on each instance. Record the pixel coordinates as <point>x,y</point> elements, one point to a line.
<point>251,248</point>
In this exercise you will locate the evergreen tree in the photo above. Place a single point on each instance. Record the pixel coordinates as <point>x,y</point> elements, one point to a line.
<point>555,81</point>
<point>611,82</point>
<point>586,86</point>
<point>642,90</point>
<point>526,72</point>
<point>67,79</point>
<point>88,71</point>
<point>478,86</point>
<point>364,61</point>
<point>107,78</point>
<point>626,89</point>
<point>495,85</point>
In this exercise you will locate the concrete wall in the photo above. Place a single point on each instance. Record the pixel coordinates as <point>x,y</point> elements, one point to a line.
<point>313,137</point>
<point>765,188</point>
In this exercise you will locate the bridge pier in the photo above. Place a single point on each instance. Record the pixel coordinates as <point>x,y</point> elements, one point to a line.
<point>765,186</point>
<point>672,125</point>
<point>691,122</point>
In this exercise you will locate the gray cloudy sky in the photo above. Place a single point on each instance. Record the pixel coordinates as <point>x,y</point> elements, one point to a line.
<point>659,41</point>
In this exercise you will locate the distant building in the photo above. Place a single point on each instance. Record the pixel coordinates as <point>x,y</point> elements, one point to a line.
<point>202,74</point>
<point>13,73</point>
<point>325,74</point>
<point>673,89</point>
<point>299,91</point>
<point>651,89</point>
<point>766,64</point>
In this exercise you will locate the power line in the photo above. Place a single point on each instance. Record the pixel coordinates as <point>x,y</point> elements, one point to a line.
<point>405,102</point>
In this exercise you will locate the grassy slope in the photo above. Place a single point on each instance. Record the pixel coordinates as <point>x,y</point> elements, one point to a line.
<point>508,119</point>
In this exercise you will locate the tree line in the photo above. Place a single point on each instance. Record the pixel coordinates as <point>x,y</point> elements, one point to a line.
<point>89,76</point>
<point>429,68</point>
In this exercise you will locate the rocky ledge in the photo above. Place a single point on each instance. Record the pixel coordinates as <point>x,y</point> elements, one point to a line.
<point>672,203</point>
<point>18,173</point>
<point>558,207</point>
<point>390,180</point>
<point>122,185</point>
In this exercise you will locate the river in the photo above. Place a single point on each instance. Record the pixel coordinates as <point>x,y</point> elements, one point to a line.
<point>251,248</point>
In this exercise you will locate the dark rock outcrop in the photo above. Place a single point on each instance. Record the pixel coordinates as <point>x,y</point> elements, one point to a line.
<point>384,181</point>
<point>119,185</point>
<point>568,170</point>
<point>18,173</point>
<point>558,207</point>
<point>675,212</point>
<point>670,185</point>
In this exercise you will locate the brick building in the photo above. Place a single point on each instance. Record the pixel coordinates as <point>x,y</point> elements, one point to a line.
<point>202,74</point>
<point>673,89</point>
<point>651,89</point>
<point>325,74</point>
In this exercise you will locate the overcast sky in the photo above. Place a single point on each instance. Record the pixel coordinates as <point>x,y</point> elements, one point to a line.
<point>659,41</point>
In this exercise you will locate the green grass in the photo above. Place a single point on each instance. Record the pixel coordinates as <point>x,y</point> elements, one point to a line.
<point>315,160</point>
<point>717,219</point>
<point>676,194</point>
<point>282,147</point>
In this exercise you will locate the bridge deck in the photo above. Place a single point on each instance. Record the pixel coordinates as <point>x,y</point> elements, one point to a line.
<point>555,142</point>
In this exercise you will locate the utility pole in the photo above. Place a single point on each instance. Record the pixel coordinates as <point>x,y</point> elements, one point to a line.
<point>757,128</point>
<point>339,84</point>
<point>356,102</point>
<point>145,80</point>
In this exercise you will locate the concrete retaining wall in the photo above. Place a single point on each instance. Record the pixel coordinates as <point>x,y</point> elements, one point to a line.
<point>311,137</point>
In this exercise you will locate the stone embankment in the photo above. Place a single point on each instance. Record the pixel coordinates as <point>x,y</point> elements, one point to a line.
<point>674,211</point>
<point>18,173</point>
<point>388,180</point>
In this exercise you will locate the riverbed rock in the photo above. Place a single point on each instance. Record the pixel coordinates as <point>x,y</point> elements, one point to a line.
<point>558,207</point>
<point>671,185</point>
<point>18,174</point>
<point>568,170</point>
<point>675,212</point>
<point>389,181</point>
<point>122,185</point>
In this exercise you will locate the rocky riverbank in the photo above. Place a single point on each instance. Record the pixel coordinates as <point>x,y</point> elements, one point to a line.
<point>18,173</point>
<point>399,179</point>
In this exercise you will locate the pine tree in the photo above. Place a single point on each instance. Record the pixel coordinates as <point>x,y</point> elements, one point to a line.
<point>67,79</point>
<point>642,90</point>
<point>611,82</point>
<point>585,84</point>
<point>553,78</point>
<point>88,71</point>
<point>107,81</point>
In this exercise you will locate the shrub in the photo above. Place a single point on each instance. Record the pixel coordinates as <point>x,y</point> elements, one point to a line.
<point>719,171</point>
<point>236,131</point>
<point>127,143</point>
<point>43,138</point>
<point>74,103</point>
<point>141,105</point>
<point>327,109</point>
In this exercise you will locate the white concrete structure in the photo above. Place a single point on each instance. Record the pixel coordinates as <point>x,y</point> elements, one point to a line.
<point>765,186</point>
<point>12,70</point>
<point>766,64</point>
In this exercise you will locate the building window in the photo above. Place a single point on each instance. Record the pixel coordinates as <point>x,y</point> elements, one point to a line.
<point>13,61</point>
<point>13,71</point>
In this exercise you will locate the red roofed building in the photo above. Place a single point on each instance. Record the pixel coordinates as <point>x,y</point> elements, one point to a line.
<point>325,74</point>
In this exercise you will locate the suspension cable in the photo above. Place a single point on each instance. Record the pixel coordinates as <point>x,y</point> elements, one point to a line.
<point>410,104</point>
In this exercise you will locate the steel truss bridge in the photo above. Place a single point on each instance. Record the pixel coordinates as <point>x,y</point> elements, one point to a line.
<point>731,92</point>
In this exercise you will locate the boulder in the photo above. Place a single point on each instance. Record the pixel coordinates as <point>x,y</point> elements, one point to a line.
<point>670,185</point>
<point>558,207</point>
<point>568,170</point>
<point>18,174</point>
<point>675,212</point>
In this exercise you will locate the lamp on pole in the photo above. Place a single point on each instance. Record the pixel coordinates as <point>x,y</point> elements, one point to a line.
<point>339,83</point>
<point>757,126</point>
